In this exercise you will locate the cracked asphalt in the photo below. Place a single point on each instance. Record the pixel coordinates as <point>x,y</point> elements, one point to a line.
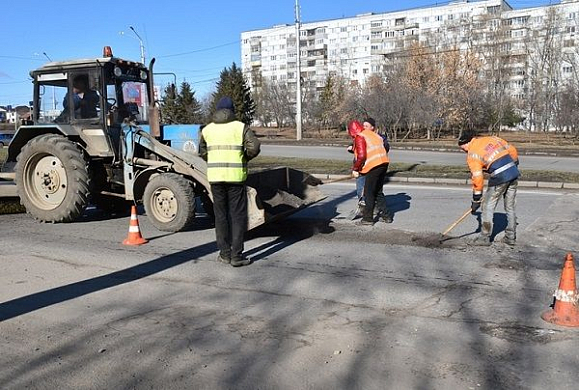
<point>326,304</point>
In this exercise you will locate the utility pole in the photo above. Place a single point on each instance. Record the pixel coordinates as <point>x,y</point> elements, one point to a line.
<point>298,77</point>
<point>141,46</point>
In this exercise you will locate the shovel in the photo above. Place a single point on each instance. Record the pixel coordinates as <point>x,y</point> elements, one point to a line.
<point>455,223</point>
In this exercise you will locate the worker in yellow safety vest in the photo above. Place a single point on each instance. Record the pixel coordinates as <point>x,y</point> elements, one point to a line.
<point>227,145</point>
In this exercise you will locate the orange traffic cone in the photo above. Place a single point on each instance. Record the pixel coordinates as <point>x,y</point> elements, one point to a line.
<point>134,237</point>
<point>565,311</point>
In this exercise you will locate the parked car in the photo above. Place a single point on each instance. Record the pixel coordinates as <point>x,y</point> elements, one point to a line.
<point>5,138</point>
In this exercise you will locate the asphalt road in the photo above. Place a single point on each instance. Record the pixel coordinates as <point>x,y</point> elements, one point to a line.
<point>327,304</point>
<point>543,163</point>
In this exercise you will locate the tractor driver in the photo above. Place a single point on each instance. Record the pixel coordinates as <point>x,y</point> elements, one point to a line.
<point>85,99</point>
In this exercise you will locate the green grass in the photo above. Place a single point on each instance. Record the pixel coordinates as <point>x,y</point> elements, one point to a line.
<point>340,167</point>
<point>3,156</point>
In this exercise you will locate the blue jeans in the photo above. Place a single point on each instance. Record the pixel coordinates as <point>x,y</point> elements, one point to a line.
<point>360,181</point>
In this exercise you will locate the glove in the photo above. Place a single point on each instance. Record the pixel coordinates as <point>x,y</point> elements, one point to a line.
<point>475,204</point>
<point>355,174</point>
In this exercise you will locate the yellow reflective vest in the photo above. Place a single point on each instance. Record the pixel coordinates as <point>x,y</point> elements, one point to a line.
<point>226,161</point>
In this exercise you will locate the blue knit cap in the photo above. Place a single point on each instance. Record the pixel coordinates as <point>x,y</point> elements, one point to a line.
<point>225,102</point>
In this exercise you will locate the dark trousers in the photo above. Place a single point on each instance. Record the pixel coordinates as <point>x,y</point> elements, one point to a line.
<point>230,208</point>
<point>373,186</point>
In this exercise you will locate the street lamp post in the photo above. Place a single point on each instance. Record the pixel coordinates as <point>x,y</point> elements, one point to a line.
<point>53,90</point>
<point>299,77</point>
<point>141,46</point>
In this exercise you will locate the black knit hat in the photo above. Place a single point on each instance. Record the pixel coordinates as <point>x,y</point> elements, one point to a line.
<point>370,121</point>
<point>465,137</point>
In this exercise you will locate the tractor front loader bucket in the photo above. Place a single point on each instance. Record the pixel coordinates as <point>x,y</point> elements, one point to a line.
<point>276,193</point>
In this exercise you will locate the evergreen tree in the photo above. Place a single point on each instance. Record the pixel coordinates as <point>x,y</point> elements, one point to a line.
<point>232,83</point>
<point>180,107</point>
<point>169,108</point>
<point>189,106</point>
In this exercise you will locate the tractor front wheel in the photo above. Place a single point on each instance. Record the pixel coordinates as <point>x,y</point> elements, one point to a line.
<point>169,202</point>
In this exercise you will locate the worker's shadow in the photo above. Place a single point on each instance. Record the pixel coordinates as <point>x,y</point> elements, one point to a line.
<point>499,224</point>
<point>397,202</point>
<point>315,219</point>
<point>288,232</point>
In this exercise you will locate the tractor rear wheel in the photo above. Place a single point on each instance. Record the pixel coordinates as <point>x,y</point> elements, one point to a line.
<point>52,179</point>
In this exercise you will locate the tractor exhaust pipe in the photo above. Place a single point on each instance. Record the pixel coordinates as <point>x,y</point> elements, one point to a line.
<point>154,117</point>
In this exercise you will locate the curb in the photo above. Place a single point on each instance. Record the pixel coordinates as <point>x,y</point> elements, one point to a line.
<point>326,177</point>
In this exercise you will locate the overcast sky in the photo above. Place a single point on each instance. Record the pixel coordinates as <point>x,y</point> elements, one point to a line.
<point>193,39</point>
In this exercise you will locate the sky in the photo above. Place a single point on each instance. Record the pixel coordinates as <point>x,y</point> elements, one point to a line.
<point>194,39</point>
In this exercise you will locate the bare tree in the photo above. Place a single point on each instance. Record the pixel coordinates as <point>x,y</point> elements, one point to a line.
<point>545,59</point>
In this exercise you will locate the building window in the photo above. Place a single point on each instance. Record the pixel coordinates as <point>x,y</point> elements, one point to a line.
<point>343,29</point>
<point>567,69</point>
<point>376,24</point>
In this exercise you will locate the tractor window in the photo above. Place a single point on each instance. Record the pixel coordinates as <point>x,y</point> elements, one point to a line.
<point>51,92</point>
<point>135,99</point>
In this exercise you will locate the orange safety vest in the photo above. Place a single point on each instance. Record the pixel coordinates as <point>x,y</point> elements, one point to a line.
<point>375,151</point>
<point>482,153</point>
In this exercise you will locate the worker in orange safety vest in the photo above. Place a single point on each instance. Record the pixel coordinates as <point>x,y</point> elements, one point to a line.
<point>499,159</point>
<point>371,160</point>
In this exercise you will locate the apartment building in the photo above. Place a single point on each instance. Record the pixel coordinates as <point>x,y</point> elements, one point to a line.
<point>355,47</point>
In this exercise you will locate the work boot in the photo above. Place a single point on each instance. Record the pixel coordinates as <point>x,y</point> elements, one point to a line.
<point>240,262</point>
<point>386,217</point>
<point>481,241</point>
<point>222,259</point>
<point>508,240</point>
<point>368,222</point>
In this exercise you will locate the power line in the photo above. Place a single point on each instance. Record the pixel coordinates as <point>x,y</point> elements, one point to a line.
<point>200,50</point>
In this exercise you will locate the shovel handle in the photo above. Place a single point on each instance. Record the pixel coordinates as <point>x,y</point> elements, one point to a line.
<point>466,213</point>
